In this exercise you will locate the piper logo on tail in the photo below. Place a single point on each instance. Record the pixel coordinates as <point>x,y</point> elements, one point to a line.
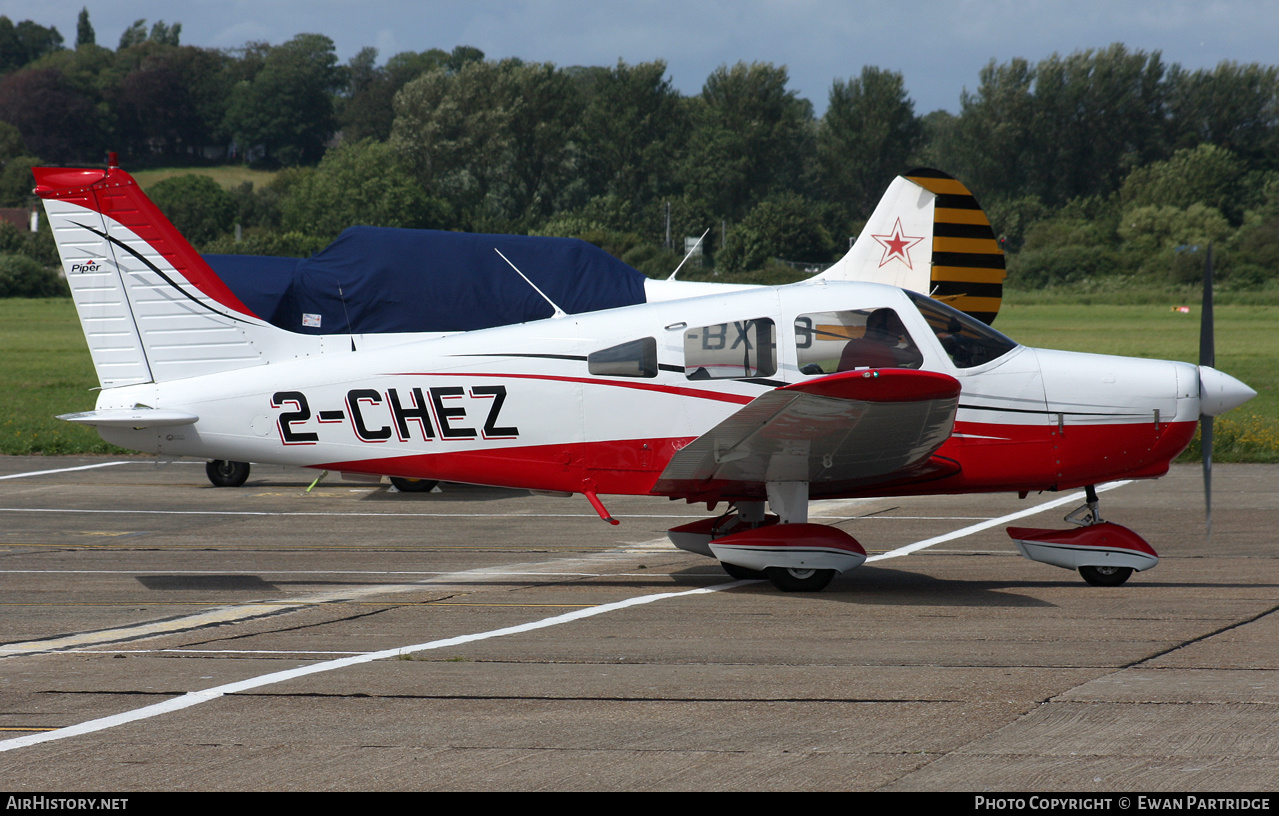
<point>86,266</point>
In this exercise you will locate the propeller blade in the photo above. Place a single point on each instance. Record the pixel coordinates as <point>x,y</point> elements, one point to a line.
<point>1207,357</point>
<point>1205,431</point>
<point>1207,347</point>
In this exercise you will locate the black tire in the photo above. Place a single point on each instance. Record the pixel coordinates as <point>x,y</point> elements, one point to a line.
<point>740,573</point>
<point>405,485</point>
<point>224,473</point>
<point>799,580</point>
<point>1105,576</point>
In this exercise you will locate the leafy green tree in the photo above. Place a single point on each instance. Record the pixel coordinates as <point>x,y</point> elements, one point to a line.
<point>992,146</point>
<point>1233,106</point>
<point>631,131</point>
<point>135,34</point>
<point>262,207</point>
<point>267,242</point>
<point>367,108</point>
<point>866,138</point>
<point>544,111</point>
<point>1068,127</point>
<point>25,42</point>
<point>452,131</point>
<point>157,112</point>
<point>749,139</point>
<point>1207,175</point>
<point>165,34</point>
<point>461,56</point>
<point>11,144</point>
<point>497,140</point>
<point>360,183</point>
<point>1256,250</point>
<point>17,181</point>
<point>782,226</point>
<point>197,206</point>
<point>1163,241</point>
<point>23,276</point>
<point>161,33</point>
<point>1100,114</point>
<point>1070,264</point>
<point>41,103</point>
<point>287,107</point>
<point>84,29</point>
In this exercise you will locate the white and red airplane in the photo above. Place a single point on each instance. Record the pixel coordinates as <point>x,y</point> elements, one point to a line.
<point>759,398</point>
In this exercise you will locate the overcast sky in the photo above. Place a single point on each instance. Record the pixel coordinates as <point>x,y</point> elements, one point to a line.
<point>939,47</point>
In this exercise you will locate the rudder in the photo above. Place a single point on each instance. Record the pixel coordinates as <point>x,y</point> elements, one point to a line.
<point>151,308</point>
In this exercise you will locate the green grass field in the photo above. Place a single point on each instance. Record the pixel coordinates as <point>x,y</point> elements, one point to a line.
<point>45,368</point>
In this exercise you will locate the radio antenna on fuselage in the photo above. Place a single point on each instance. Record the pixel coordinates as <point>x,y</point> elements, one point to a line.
<point>688,255</point>
<point>558,311</point>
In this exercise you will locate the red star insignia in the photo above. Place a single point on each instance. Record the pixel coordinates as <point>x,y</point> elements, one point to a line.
<point>897,245</point>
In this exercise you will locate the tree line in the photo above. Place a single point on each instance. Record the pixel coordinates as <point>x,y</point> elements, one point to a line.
<point>1102,164</point>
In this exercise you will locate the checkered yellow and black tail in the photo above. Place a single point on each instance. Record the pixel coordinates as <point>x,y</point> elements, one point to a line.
<point>968,263</point>
<point>929,235</point>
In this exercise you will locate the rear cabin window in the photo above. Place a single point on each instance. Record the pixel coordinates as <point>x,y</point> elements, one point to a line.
<point>723,351</point>
<point>827,342</point>
<point>638,358</point>
<point>968,341</point>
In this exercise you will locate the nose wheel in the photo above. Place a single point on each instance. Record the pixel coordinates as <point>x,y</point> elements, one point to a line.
<point>799,580</point>
<point>1104,553</point>
<point>1105,576</point>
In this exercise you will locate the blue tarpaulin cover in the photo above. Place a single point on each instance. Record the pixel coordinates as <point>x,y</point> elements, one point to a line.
<point>377,279</point>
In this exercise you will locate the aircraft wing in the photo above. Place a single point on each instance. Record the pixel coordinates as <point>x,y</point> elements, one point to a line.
<point>851,430</point>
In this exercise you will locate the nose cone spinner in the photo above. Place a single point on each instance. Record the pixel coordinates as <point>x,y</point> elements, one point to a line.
<point>1219,392</point>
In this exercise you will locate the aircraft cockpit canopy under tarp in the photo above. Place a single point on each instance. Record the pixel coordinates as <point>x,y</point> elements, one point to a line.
<point>375,280</point>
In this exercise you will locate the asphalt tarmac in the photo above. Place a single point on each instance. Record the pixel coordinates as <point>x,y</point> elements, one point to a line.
<point>157,633</point>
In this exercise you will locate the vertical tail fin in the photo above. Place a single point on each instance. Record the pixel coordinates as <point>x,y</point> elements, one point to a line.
<point>150,306</point>
<point>929,235</point>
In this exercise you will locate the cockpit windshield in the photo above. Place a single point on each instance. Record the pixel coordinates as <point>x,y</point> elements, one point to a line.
<point>967,340</point>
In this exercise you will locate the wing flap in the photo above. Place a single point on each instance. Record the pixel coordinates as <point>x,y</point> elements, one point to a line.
<point>856,426</point>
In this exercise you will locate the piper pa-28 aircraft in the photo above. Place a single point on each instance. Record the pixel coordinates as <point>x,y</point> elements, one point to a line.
<point>760,398</point>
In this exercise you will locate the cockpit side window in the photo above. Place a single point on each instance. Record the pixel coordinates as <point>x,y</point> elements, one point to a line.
<point>967,340</point>
<point>638,358</point>
<point>742,348</point>
<point>827,342</point>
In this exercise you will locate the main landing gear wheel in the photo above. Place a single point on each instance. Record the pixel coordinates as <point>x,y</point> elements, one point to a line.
<point>799,580</point>
<point>224,473</point>
<point>413,485</point>
<point>740,573</point>
<point>1105,576</point>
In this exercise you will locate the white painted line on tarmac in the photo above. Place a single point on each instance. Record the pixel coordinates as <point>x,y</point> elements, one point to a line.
<point>64,470</point>
<point>237,612</point>
<point>196,697</point>
<point>995,522</point>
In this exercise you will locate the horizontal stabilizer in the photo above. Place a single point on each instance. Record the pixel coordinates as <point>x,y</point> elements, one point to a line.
<point>131,418</point>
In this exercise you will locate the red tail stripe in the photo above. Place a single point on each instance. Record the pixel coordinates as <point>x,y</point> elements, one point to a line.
<point>117,196</point>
